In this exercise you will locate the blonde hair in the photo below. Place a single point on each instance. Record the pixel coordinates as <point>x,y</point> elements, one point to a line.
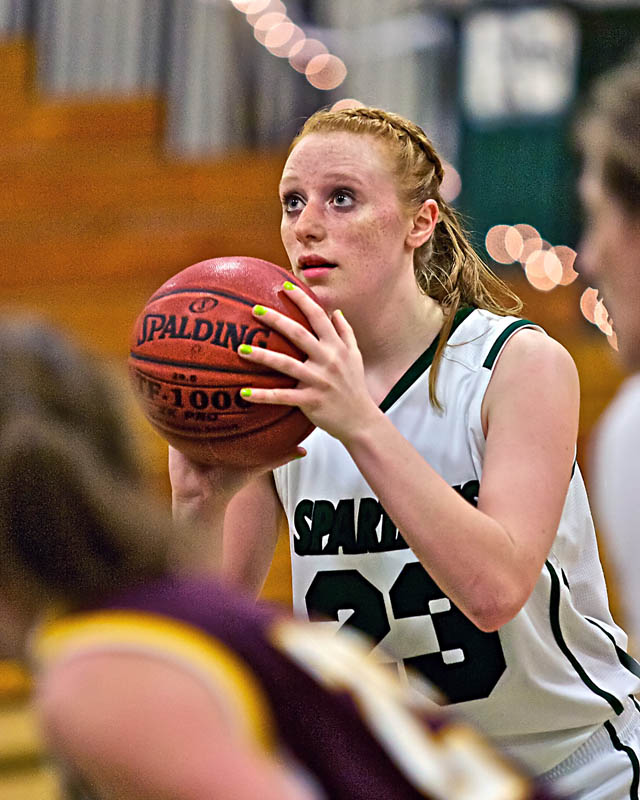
<point>446,267</point>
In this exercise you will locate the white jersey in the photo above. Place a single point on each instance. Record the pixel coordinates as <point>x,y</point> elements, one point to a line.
<point>545,681</point>
<point>616,470</point>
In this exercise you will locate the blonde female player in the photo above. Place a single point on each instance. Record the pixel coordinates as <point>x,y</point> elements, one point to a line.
<point>439,507</point>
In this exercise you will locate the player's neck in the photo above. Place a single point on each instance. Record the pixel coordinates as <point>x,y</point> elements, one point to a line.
<point>397,341</point>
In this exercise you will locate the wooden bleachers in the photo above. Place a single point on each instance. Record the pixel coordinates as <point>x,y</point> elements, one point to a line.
<point>94,216</point>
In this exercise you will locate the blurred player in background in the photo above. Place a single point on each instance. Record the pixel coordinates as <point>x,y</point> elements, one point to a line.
<point>154,685</point>
<point>609,255</point>
<point>439,507</point>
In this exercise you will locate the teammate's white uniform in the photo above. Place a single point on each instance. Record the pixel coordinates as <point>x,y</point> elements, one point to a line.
<point>616,496</point>
<point>549,678</point>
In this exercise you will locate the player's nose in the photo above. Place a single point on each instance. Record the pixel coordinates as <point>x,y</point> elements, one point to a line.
<point>310,223</point>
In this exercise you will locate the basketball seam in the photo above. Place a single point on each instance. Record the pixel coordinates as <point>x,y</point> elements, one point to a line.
<point>226,295</point>
<point>195,437</point>
<point>196,366</point>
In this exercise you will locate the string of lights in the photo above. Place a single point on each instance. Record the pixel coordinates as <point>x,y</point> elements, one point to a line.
<point>546,266</point>
<point>284,39</point>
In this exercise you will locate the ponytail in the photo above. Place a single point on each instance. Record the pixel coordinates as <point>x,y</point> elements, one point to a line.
<point>456,276</point>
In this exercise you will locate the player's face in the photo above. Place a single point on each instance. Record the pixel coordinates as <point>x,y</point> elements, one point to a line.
<point>609,255</point>
<point>343,226</point>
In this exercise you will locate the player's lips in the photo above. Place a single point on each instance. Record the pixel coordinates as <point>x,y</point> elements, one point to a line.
<point>314,262</point>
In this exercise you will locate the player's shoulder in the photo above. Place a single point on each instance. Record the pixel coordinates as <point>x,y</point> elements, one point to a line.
<point>530,349</point>
<point>101,715</point>
<point>75,696</point>
<point>484,337</point>
<point>535,371</point>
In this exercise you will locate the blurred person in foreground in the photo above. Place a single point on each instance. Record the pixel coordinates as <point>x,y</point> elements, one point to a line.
<point>156,683</point>
<point>609,138</point>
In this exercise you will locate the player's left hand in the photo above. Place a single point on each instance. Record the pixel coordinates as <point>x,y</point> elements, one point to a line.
<point>331,389</point>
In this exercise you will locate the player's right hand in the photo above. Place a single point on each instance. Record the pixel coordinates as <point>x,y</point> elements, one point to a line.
<point>194,484</point>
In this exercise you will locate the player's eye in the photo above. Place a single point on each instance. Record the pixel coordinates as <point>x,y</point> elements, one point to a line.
<point>342,199</point>
<point>291,203</point>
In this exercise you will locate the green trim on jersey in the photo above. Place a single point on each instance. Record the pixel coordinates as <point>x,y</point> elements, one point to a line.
<point>554,615</point>
<point>499,342</point>
<point>633,758</point>
<point>422,363</point>
<point>627,661</point>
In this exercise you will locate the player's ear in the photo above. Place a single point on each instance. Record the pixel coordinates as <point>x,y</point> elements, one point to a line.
<point>423,224</point>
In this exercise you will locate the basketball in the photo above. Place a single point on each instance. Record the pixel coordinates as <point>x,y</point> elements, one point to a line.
<point>187,375</point>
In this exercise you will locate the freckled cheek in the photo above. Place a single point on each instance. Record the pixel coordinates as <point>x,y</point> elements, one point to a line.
<point>371,243</point>
<point>377,233</point>
<point>287,237</point>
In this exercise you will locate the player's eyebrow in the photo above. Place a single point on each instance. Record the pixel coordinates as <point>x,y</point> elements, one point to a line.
<point>339,177</point>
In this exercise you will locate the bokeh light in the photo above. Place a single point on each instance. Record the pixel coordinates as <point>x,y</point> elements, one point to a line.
<point>595,312</point>
<point>495,244</point>
<point>278,34</point>
<point>545,266</point>
<point>325,71</point>
<point>513,242</point>
<point>451,185</point>
<point>308,50</point>
<point>261,7</point>
<point>588,301</point>
<point>529,241</point>
<point>566,256</point>
<point>266,22</point>
<point>280,39</point>
<point>601,318</point>
<point>543,270</point>
<point>347,102</point>
<point>552,265</point>
<point>533,244</point>
<point>250,7</point>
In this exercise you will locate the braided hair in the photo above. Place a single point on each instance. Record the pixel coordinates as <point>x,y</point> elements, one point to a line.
<point>446,267</point>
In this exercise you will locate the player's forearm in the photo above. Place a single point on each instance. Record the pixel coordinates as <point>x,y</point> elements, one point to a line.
<point>469,554</point>
<point>251,528</point>
<point>202,521</point>
<point>246,566</point>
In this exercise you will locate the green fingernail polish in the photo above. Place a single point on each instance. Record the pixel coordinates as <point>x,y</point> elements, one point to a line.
<point>245,392</point>
<point>245,349</point>
<point>288,286</point>
<point>259,311</point>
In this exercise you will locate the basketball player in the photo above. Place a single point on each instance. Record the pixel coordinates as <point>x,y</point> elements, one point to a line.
<point>160,686</point>
<point>609,255</point>
<point>439,507</point>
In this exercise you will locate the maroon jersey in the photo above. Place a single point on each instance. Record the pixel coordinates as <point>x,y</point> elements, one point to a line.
<point>319,701</point>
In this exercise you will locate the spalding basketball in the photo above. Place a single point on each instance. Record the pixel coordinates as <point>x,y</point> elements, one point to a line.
<point>187,374</point>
